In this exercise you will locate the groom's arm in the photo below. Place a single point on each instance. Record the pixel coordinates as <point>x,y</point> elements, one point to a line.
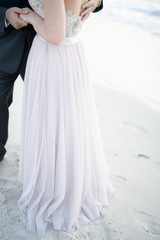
<point>11,16</point>
<point>2,20</point>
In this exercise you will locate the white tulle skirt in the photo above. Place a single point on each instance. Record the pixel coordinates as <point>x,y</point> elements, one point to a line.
<point>62,167</point>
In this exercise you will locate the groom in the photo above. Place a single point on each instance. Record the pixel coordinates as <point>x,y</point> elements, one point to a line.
<point>15,42</point>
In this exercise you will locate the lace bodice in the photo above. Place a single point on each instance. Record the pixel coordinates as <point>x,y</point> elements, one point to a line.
<point>73,22</point>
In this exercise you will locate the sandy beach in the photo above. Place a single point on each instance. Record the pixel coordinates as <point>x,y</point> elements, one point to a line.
<point>124,64</point>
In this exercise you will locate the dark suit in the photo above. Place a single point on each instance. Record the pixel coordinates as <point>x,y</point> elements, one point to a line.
<point>14,48</point>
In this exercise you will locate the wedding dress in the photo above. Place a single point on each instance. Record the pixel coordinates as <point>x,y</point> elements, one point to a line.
<point>62,166</point>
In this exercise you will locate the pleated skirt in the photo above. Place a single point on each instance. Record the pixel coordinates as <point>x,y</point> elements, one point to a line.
<point>62,169</point>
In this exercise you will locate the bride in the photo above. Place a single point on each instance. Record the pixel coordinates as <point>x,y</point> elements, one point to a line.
<point>62,167</point>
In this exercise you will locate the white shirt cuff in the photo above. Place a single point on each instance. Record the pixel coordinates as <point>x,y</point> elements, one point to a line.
<point>6,23</point>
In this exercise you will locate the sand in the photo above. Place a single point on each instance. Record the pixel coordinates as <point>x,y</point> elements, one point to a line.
<point>124,62</point>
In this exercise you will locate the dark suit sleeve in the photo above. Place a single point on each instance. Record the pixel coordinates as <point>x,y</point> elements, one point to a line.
<point>99,8</point>
<point>27,5</point>
<point>2,19</point>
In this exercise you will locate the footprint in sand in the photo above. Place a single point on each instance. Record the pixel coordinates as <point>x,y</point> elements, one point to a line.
<point>116,154</point>
<point>119,179</point>
<point>156,164</point>
<point>144,213</point>
<point>135,126</point>
<point>143,156</point>
<point>148,223</point>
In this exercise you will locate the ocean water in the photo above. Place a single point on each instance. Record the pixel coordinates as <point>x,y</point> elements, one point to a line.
<point>142,13</point>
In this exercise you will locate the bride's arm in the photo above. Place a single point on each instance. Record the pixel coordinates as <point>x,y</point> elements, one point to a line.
<point>52,27</point>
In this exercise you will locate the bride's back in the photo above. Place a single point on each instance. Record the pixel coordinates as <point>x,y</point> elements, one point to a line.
<point>74,5</point>
<point>73,9</point>
<point>73,19</point>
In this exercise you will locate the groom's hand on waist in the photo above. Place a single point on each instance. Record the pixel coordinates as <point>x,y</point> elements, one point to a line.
<point>13,17</point>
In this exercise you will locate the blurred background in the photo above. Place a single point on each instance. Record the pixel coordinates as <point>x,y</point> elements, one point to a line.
<point>142,13</point>
<point>125,47</point>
